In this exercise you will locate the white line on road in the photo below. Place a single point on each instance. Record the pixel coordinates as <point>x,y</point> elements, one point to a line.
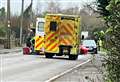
<point>67,71</point>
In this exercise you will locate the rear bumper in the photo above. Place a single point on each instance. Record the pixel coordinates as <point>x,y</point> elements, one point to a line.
<point>94,50</point>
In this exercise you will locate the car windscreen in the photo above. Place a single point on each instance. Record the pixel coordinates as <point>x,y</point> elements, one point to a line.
<point>89,43</point>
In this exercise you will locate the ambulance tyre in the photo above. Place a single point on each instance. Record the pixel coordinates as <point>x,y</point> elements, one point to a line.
<point>73,57</point>
<point>49,55</point>
<point>37,52</point>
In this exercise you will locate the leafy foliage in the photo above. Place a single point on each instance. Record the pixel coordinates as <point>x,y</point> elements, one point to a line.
<point>28,11</point>
<point>113,21</point>
<point>2,31</point>
<point>113,63</point>
<point>2,12</point>
<point>102,7</point>
<point>2,25</point>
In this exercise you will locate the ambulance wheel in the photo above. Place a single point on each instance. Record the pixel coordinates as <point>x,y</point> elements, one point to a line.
<point>37,52</point>
<point>48,55</point>
<point>73,57</point>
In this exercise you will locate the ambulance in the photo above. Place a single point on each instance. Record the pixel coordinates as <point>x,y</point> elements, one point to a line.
<point>62,35</point>
<point>39,36</point>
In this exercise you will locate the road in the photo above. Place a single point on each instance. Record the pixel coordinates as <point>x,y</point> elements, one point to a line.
<point>16,67</point>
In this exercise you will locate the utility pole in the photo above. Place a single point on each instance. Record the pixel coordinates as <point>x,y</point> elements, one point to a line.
<point>21,25</point>
<point>8,24</point>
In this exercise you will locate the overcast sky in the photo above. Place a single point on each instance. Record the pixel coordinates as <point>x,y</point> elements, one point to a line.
<point>16,4</point>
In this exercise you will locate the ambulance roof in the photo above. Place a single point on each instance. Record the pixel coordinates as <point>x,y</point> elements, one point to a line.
<point>63,15</point>
<point>41,19</point>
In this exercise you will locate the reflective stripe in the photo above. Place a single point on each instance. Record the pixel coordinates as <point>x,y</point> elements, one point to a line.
<point>50,35</point>
<point>53,46</point>
<point>67,35</point>
<point>39,43</point>
<point>51,42</point>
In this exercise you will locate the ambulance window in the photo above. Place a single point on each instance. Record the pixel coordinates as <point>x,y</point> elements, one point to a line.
<point>41,26</point>
<point>53,26</point>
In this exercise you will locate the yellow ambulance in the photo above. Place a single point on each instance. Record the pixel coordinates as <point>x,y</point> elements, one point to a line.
<point>62,35</point>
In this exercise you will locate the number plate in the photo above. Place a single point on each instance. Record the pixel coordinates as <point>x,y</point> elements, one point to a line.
<point>90,48</point>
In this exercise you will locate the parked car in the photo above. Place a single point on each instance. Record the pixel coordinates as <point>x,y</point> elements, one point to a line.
<point>90,45</point>
<point>83,50</point>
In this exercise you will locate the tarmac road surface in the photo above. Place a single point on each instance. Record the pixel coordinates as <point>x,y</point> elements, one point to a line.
<point>16,67</point>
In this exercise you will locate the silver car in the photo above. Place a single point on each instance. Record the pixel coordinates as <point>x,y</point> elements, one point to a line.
<point>91,45</point>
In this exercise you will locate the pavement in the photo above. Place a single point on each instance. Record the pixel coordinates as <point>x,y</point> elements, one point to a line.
<point>5,51</point>
<point>1,46</point>
<point>92,71</point>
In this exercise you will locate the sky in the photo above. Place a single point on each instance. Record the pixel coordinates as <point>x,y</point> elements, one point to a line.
<point>16,4</point>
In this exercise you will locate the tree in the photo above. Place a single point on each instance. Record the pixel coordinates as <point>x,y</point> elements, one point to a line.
<point>28,12</point>
<point>2,11</point>
<point>102,7</point>
<point>2,22</point>
<point>53,7</point>
<point>90,21</point>
<point>111,14</point>
<point>71,11</point>
<point>39,8</point>
<point>2,14</point>
<point>29,17</point>
<point>2,30</point>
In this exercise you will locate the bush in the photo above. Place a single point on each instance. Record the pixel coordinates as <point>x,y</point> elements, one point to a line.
<point>3,31</point>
